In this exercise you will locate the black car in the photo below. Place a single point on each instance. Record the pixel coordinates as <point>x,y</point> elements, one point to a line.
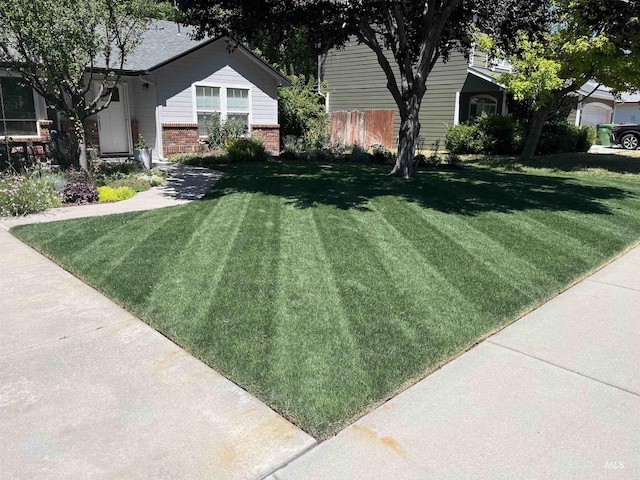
<point>628,136</point>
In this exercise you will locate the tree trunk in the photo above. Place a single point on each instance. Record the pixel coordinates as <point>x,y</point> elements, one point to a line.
<point>408,136</point>
<point>78,126</point>
<point>533,137</point>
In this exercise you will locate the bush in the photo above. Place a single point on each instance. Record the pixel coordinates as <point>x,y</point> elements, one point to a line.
<point>382,155</point>
<point>20,194</point>
<point>110,194</point>
<point>78,193</point>
<point>585,138</point>
<point>249,149</point>
<point>499,134</point>
<point>219,132</point>
<point>504,135</point>
<point>199,159</point>
<point>464,139</point>
<point>561,137</point>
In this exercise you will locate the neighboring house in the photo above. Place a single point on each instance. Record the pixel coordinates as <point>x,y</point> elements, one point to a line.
<point>627,109</point>
<point>457,91</point>
<point>171,88</point>
<point>595,105</point>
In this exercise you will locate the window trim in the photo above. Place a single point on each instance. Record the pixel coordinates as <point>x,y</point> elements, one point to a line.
<point>483,97</point>
<point>37,108</point>
<point>223,100</point>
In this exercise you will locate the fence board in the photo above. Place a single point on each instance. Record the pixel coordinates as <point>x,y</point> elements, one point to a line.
<point>378,128</point>
<point>366,129</point>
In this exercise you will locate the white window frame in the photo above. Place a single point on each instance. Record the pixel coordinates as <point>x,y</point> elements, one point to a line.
<point>483,97</point>
<point>195,101</point>
<point>38,114</point>
<point>223,100</point>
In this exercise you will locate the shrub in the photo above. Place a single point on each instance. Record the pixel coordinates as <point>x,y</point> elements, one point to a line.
<point>464,139</point>
<point>503,135</point>
<point>135,184</point>
<point>381,155</point>
<point>20,194</point>
<point>199,159</point>
<point>585,138</point>
<point>110,194</point>
<point>78,193</point>
<point>57,181</point>
<point>219,132</point>
<point>499,134</point>
<point>249,149</point>
<point>153,179</point>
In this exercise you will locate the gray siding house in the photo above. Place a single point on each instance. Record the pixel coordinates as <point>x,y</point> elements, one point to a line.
<point>456,91</point>
<point>172,87</point>
<point>628,109</point>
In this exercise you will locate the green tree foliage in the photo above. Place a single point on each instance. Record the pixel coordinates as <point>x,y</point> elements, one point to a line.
<point>585,40</point>
<point>62,48</point>
<point>294,55</point>
<point>302,112</point>
<point>166,10</point>
<point>417,33</point>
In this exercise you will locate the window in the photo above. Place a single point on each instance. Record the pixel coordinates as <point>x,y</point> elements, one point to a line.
<point>207,106</point>
<point>238,105</point>
<point>18,109</point>
<point>482,104</point>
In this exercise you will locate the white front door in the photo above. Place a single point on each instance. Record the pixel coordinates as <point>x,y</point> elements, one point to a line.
<point>113,127</point>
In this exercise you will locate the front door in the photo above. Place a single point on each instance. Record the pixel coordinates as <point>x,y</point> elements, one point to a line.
<point>113,128</point>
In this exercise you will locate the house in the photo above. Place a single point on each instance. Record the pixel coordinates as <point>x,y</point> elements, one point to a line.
<point>456,91</point>
<point>627,109</point>
<point>171,88</point>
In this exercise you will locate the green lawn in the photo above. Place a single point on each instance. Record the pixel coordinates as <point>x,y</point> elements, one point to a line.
<point>324,289</point>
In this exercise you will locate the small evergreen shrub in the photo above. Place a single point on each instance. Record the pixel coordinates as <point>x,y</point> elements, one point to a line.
<point>199,159</point>
<point>78,193</point>
<point>110,194</point>
<point>24,194</point>
<point>250,149</point>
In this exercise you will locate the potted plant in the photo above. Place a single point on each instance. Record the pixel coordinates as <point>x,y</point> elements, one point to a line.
<point>142,153</point>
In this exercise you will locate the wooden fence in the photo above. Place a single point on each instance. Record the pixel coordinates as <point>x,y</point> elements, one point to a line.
<point>369,128</point>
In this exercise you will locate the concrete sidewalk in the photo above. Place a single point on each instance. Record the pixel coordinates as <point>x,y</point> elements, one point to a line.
<point>89,391</point>
<point>555,395</point>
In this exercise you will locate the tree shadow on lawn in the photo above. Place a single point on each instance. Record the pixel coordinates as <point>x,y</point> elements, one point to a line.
<point>464,192</point>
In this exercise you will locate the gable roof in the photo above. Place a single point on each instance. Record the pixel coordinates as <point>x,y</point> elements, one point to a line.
<point>164,41</point>
<point>627,97</point>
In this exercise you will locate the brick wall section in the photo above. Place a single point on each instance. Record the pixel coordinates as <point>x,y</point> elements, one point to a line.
<point>179,138</point>
<point>91,126</point>
<point>270,134</point>
<point>135,132</point>
<point>39,151</point>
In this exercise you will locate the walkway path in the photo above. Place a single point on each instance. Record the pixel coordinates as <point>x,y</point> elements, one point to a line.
<point>185,184</point>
